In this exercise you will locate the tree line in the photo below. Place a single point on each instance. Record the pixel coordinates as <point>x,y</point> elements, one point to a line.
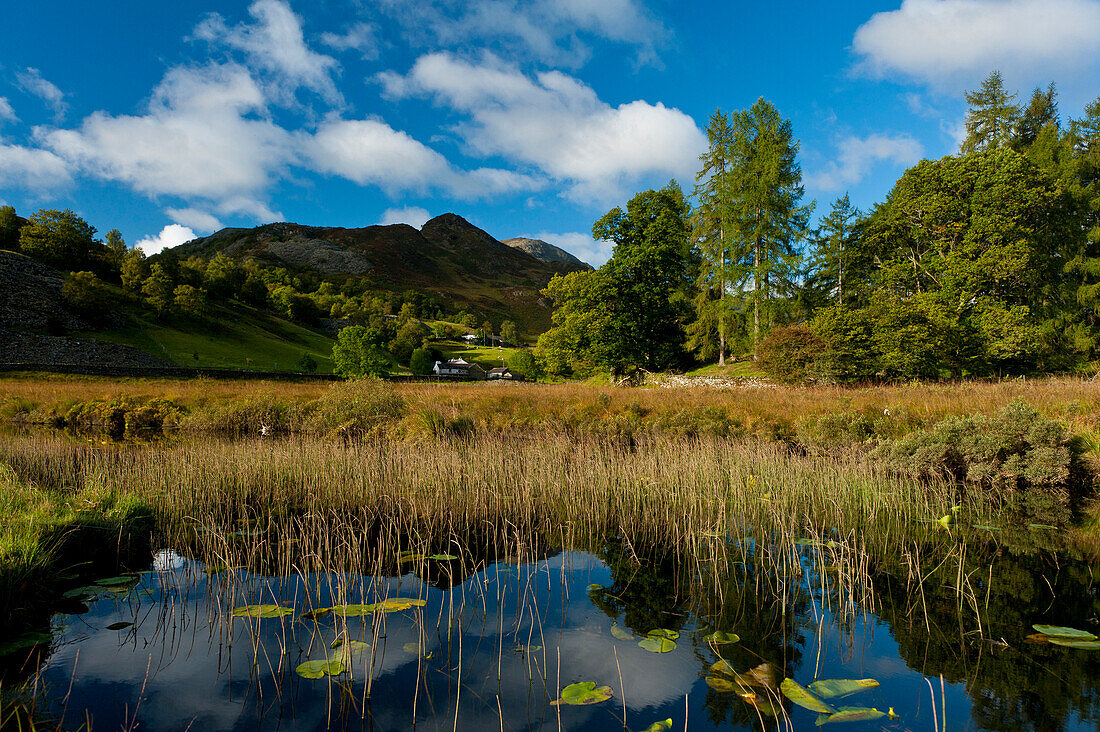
<point>982,262</point>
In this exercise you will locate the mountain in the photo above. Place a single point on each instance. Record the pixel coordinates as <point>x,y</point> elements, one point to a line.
<point>544,251</point>
<point>448,256</point>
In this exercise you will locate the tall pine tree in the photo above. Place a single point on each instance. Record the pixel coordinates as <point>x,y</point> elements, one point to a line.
<point>832,245</point>
<point>766,200</point>
<point>993,115</point>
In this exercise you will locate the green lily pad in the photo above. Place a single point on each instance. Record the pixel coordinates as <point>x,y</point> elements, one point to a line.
<point>618,632</point>
<point>527,649</point>
<point>1083,645</point>
<point>803,697</point>
<point>658,726</point>
<point>1062,632</point>
<point>395,604</point>
<point>352,611</point>
<point>316,613</point>
<point>262,611</point>
<point>83,592</point>
<point>320,668</point>
<point>835,688</point>
<point>410,558</point>
<point>118,581</point>
<point>722,684</point>
<point>583,693</point>
<point>27,640</point>
<point>119,626</point>
<point>719,638</point>
<point>443,557</point>
<point>851,714</point>
<point>659,641</point>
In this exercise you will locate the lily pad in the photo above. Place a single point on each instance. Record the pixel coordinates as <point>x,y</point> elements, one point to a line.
<point>835,688</point>
<point>119,626</point>
<point>352,611</point>
<point>1062,632</point>
<point>83,592</point>
<point>443,557</point>
<point>658,726</point>
<point>722,684</point>
<point>803,697</point>
<point>320,668</point>
<point>618,632</point>
<point>851,714</point>
<point>719,638</point>
<point>316,613</point>
<point>394,604</point>
<point>411,558</point>
<point>262,611</point>
<point>118,581</point>
<point>583,693</point>
<point>659,641</point>
<point>27,640</point>
<point>1083,645</point>
<point>763,703</point>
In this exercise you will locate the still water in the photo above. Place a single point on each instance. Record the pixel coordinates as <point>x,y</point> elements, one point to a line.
<point>493,645</point>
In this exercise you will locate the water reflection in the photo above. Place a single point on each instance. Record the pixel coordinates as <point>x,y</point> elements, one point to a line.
<point>497,640</point>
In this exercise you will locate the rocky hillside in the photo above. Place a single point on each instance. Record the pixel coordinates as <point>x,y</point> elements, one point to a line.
<point>448,256</point>
<point>544,251</point>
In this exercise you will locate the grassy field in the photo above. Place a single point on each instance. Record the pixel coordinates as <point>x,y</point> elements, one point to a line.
<point>238,339</point>
<point>485,356</point>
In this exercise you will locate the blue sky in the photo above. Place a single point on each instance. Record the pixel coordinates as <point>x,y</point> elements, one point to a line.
<point>528,118</point>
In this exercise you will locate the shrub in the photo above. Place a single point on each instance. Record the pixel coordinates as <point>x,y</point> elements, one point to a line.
<point>420,362</point>
<point>790,355</point>
<point>832,431</point>
<point>357,407</point>
<point>1014,450</point>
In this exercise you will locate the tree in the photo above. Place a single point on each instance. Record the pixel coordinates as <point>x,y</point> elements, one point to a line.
<point>485,332</point>
<point>992,117</point>
<point>508,333</point>
<point>410,336</point>
<point>307,363</point>
<point>10,224</point>
<point>713,230</point>
<point>134,270</point>
<point>158,289</point>
<point>420,362</point>
<point>115,250</point>
<point>87,295</point>
<point>832,245</point>
<point>1040,112</point>
<point>59,238</point>
<point>359,352</point>
<point>189,299</point>
<point>223,277</point>
<point>767,212</point>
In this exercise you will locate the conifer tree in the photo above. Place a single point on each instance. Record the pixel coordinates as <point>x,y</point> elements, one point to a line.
<point>992,117</point>
<point>1041,111</point>
<point>832,245</point>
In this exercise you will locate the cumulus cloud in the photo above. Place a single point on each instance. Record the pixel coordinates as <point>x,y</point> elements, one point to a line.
<point>557,124</point>
<point>551,32</point>
<point>370,152</point>
<point>198,139</point>
<point>856,155</point>
<point>170,236</point>
<point>581,246</point>
<point>412,215</point>
<point>32,168</point>
<point>276,44</point>
<point>32,82</point>
<point>361,37</point>
<point>948,42</point>
<point>6,112</point>
<point>194,219</point>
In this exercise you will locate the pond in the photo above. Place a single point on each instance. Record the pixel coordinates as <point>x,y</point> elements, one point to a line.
<point>937,631</point>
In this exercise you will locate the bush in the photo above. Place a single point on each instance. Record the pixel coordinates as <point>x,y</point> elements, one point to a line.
<point>832,431</point>
<point>790,355</point>
<point>1014,450</point>
<point>357,407</point>
<point>421,362</point>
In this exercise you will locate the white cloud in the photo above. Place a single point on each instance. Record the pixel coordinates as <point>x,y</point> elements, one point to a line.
<point>581,246</point>
<point>951,42</point>
<point>551,32</point>
<point>170,236</point>
<point>194,219</point>
<point>32,81</point>
<point>276,44</point>
<point>370,152</point>
<point>198,139</point>
<point>362,37</point>
<point>412,215</point>
<point>6,112</point>
<point>557,124</point>
<point>31,168</point>
<point>856,156</point>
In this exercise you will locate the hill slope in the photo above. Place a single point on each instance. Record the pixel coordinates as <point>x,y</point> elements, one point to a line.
<point>544,251</point>
<point>448,256</point>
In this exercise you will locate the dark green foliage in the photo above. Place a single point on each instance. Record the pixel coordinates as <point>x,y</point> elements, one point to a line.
<point>1016,449</point>
<point>1040,112</point>
<point>508,333</point>
<point>360,351</point>
<point>61,239</point>
<point>134,270</point>
<point>420,362</point>
<point>791,355</point>
<point>189,300</point>
<point>307,363</point>
<point>993,115</point>
<point>524,365</point>
<point>410,336</point>
<point>158,289</point>
<point>10,224</point>
<point>86,295</point>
